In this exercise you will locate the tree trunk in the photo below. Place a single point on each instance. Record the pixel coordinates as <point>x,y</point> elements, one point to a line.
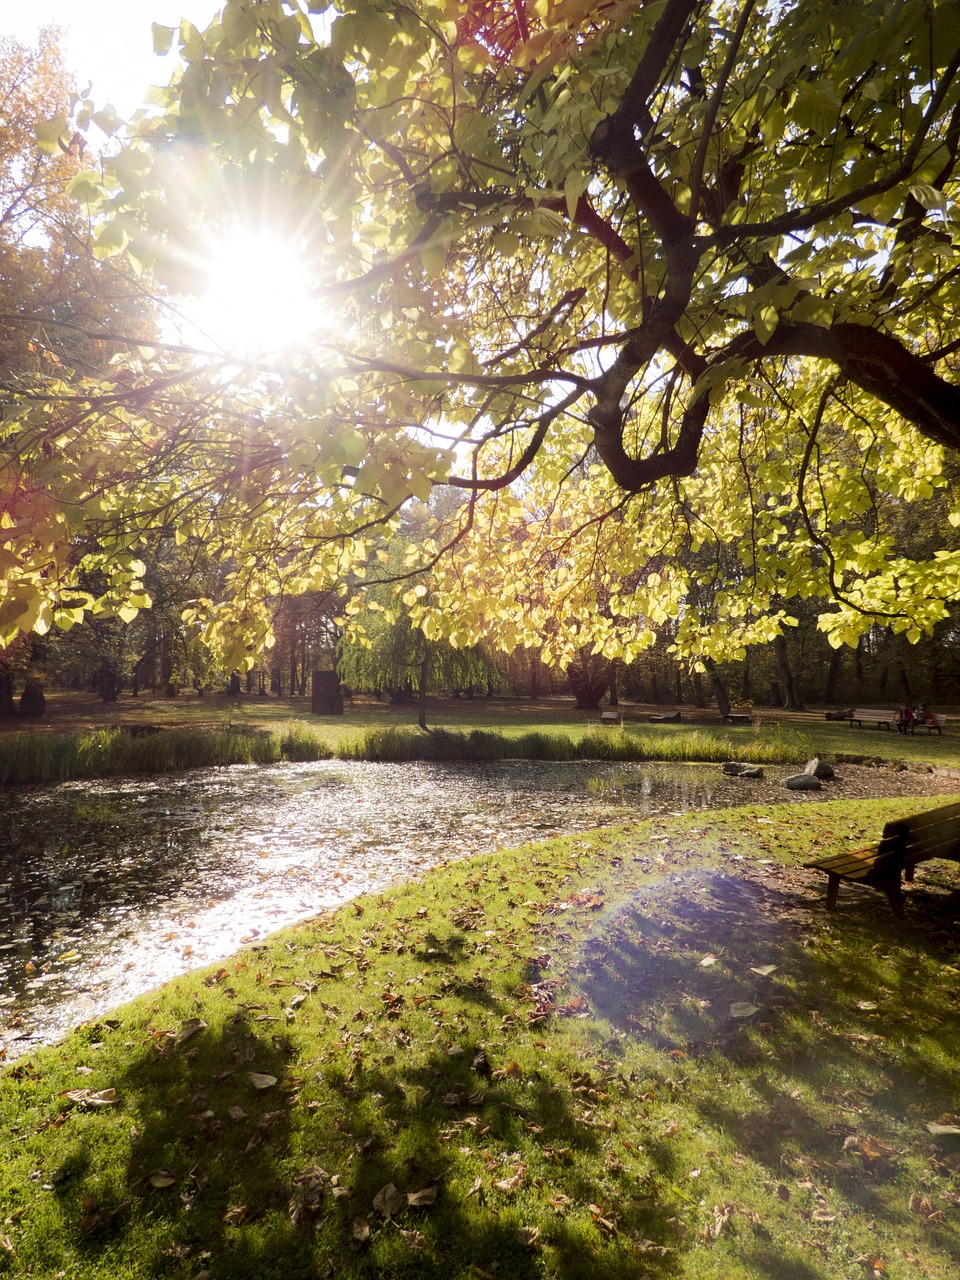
<point>6,694</point>
<point>791,699</point>
<point>903,682</point>
<point>108,682</point>
<point>699,697</point>
<point>589,680</point>
<point>718,687</point>
<point>745,674</point>
<point>422,692</point>
<point>833,675</point>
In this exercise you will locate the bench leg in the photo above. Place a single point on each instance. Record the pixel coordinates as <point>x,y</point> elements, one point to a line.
<point>894,892</point>
<point>833,888</point>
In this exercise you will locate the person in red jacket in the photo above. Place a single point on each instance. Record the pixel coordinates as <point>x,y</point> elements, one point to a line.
<point>905,720</point>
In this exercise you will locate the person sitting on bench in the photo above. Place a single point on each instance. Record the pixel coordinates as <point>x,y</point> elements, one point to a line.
<point>905,719</point>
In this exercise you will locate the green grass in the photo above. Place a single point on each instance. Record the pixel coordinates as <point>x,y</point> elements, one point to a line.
<point>538,1047</point>
<point>27,758</point>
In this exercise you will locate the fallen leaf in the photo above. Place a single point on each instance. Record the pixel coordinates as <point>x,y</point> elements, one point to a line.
<point>528,1235</point>
<point>943,1128</point>
<point>388,1201</point>
<point>427,1195</point>
<point>764,970</point>
<point>237,1215</point>
<point>161,1178</point>
<point>707,961</point>
<point>361,1231</point>
<point>261,1081</point>
<point>188,1029</point>
<point>921,1205</point>
<point>510,1184</point>
<point>413,1239</point>
<point>743,1009</point>
<point>91,1097</point>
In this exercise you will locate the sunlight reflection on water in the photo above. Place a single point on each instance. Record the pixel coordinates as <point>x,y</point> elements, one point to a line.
<point>109,888</point>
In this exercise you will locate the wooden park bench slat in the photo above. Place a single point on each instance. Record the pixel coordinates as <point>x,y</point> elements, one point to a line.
<point>905,843</point>
<point>862,715</point>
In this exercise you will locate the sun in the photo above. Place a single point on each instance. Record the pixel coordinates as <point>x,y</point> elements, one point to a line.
<point>258,300</point>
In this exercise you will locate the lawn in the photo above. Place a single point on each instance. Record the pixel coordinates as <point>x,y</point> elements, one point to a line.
<point>630,1053</point>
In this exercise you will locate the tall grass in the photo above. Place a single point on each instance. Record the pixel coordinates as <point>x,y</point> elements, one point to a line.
<point>397,744</point>
<point>41,758</point>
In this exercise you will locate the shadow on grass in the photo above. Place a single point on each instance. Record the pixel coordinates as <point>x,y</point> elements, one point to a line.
<point>839,1023</point>
<point>245,1161</point>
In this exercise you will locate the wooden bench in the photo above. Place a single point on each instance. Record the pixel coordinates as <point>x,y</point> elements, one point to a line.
<point>862,715</point>
<point>935,722</point>
<point>609,717</point>
<point>668,717</point>
<point>905,843</point>
<point>737,717</point>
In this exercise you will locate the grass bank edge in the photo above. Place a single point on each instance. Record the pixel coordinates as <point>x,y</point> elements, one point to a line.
<point>399,990</point>
<point>36,759</point>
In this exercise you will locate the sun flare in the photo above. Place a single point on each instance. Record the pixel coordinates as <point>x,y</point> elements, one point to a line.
<point>258,300</point>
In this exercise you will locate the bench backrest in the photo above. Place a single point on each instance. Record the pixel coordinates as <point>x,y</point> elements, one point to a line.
<point>934,834</point>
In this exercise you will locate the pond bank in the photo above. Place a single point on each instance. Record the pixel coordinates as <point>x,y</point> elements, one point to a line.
<point>109,888</point>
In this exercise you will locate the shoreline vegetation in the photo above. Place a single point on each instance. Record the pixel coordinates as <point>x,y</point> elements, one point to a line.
<point>635,1052</point>
<point>38,759</point>
<point>74,743</point>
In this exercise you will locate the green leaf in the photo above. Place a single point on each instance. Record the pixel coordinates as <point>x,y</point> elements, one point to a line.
<point>162,39</point>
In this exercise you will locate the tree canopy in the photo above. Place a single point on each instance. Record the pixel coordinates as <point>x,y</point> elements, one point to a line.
<point>667,290</point>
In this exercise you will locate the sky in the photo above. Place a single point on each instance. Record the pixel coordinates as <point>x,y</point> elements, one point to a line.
<point>108,42</point>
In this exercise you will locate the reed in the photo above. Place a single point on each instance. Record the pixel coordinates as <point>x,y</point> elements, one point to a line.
<point>42,759</point>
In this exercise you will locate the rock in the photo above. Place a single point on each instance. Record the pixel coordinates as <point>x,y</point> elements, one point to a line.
<point>802,782</point>
<point>739,770</point>
<point>819,769</point>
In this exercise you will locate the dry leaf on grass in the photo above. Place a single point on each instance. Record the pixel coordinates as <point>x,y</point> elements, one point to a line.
<point>388,1201</point>
<point>427,1195</point>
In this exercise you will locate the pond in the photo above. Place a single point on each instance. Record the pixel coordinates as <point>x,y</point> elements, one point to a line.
<point>109,888</point>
